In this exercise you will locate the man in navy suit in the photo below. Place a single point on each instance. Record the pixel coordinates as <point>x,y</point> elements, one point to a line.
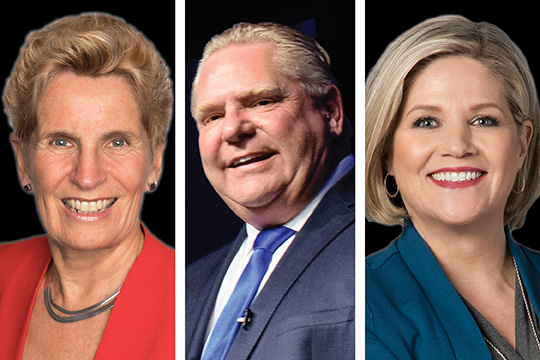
<point>274,144</point>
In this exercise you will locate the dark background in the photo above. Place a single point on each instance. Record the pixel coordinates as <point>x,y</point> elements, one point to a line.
<point>156,22</point>
<point>385,22</point>
<point>209,222</point>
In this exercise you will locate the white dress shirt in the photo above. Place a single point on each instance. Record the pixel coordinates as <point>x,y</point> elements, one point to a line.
<point>243,255</point>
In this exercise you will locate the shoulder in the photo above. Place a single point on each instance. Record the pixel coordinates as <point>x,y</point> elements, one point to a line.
<point>23,245</point>
<point>200,271</point>
<point>529,263</point>
<point>343,191</point>
<point>20,253</point>
<point>392,290</point>
<point>157,252</point>
<point>382,257</point>
<point>386,275</point>
<point>23,259</point>
<point>397,310</point>
<point>533,255</point>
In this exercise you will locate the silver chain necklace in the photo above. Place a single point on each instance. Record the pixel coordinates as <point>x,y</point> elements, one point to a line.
<point>73,316</point>
<point>528,315</point>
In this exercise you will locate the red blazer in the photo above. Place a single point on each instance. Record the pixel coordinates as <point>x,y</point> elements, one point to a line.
<point>141,324</point>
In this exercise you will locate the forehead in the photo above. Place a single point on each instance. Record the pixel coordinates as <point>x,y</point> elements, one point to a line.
<point>76,101</point>
<point>456,76</point>
<point>237,68</point>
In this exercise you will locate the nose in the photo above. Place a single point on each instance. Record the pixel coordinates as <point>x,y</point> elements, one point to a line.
<point>458,141</point>
<point>237,126</point>
<point>89,170</point>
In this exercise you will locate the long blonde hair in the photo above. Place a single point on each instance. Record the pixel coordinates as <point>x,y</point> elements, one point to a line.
<point>403,60</point>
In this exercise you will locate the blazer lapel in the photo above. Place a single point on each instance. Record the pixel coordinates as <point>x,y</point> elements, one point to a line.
<point>530,274</point>
<point>461,330</point>
<point>334,213</point>
<point>207,298</point>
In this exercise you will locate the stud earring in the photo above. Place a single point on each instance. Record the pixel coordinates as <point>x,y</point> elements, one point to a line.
<point>152,186</point>
<point>28,188</point>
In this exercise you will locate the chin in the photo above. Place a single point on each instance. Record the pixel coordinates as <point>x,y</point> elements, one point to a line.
<point>461,219</point>
<point>84,238</point>
<point>249,199</point>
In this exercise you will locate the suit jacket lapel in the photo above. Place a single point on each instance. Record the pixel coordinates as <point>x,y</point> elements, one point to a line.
<point>447,304</point>
<point>207,298</point>
<point>334,213</point>
<point>528,269</point>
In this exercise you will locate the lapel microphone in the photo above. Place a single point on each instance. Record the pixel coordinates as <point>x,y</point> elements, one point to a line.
<point>247,319</point>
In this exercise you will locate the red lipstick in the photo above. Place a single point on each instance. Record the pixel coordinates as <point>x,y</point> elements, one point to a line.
<point>457,178</point>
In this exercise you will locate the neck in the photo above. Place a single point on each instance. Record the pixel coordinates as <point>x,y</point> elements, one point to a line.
<point>83,278</point>
<point>471,254</point>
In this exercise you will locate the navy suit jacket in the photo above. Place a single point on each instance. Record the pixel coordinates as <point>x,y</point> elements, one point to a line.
<point>306,309</point>
<point>414,312</point>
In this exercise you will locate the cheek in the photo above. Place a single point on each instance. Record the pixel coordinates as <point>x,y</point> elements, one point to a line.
<point>409,155</point>
<point>130,171</point>
<point>208,146</point>
<point>48,171</point>
<point>302,135</point>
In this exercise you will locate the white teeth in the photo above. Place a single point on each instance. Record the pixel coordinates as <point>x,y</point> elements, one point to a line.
<point>88,207</point>
<point>246,159</point>
<point>456,176</point>
<point>251,158</point>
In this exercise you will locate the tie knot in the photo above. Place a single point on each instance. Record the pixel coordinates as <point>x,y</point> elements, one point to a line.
<point>271,239</point>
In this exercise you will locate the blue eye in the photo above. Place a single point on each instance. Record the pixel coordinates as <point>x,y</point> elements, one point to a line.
<point>485,121</point>
<point>118,143</point>
<point>60,142</point>
<point>426,122</point>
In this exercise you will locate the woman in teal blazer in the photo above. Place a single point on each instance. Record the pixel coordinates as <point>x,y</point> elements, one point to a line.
<point>452,121</point>
<point>414,312</point>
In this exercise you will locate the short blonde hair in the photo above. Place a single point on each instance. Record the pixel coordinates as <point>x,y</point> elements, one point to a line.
<point>298,56</point>
<point>91,44</point>
<point>398,67</point>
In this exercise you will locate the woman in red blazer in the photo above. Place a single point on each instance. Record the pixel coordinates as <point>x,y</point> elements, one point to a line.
<point>90,101</point>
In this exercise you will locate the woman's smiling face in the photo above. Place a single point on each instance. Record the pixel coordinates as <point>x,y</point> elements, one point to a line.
<point>456,150</point>
<point>89,161</point>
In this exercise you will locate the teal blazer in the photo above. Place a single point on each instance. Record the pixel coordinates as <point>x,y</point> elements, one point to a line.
<point>414,312</point>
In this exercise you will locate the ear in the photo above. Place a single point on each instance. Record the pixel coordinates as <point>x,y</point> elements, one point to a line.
<point>22,166</point>
<point>332,107</point>
<point>157,163</point>
<point>525,140</point>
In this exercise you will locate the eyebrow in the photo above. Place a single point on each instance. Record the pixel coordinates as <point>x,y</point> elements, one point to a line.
<point>243,97</point>
<point>430,108</point>
<point>128,135</point>
<point>434,108</point>
<point>486,106</point>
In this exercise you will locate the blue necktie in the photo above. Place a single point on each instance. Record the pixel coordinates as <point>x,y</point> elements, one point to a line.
<point>227,325</point>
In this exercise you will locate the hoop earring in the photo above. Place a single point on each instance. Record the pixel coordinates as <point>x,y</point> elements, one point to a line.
<point>152,186</point>
<point>522,182</point>
<point>28,188</point>
<point>391,196</point>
